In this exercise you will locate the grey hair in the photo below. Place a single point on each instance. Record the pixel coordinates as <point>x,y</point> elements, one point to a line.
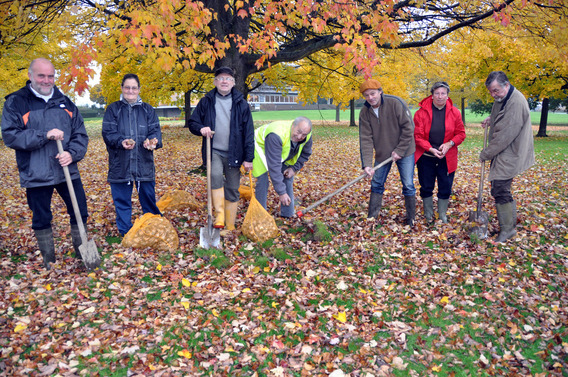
<point>298,120</point>
<point>37,60</point>
<point>498,76</point>
<point>440,84</point>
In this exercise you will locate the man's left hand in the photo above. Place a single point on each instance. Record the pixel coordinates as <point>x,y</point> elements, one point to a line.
<point>64,158</point>
<point>395,156</point>
<point>247,165</point>
<point>289,173</point>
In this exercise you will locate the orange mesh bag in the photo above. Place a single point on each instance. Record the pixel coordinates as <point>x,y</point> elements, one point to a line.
<point>245,191</point>
<point>152,231</point>
<point>177,199</point>
<point>258,224</point>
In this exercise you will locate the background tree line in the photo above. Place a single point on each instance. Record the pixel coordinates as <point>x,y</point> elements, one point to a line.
<point>319,48</point>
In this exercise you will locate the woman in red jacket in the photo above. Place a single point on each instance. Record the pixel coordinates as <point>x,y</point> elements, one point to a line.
<point>438,131</point>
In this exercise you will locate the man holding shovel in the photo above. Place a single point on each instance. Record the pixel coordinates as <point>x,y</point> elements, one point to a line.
<point>510,148</point>
<point>224,116</point>
<point>33,119</point>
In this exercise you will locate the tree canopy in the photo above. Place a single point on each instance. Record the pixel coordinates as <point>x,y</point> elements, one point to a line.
<point>175,43</point>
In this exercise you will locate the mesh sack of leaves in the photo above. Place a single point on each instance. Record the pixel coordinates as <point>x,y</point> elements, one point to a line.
<point>244,190</point>
<point>152,231</point>
<point>177,199</point>
<point>258,224</point>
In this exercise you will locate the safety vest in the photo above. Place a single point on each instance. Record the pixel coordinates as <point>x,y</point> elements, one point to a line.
<point>282,128</point>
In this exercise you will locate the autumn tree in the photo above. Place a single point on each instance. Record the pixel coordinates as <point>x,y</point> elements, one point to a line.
<point>96,94</point>
<point>252,36</point>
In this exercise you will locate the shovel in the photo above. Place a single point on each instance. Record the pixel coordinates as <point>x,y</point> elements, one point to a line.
<point>209,236</point>
<point>88,248</point>
<point>342,188</point>
<point>479,218</point>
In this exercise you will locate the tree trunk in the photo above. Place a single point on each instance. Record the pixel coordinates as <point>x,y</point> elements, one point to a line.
<point>463,107</point>
<point>352,117</point>
<point>337,108</point>
<point>187,107</point>
<point>543,119</point>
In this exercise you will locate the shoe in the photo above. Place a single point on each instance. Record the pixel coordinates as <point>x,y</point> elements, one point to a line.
<point>507,217</point>
<point>443,209</point>
<point>46,246</point>
<point>218,198</point>
<point>410,205</point>
<point>375,204</point>
<point>428,204</point>
<point>231,209</point>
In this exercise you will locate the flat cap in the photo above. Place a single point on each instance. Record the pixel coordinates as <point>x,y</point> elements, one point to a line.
<point>370,84</point>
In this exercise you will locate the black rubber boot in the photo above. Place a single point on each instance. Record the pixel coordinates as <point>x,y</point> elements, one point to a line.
<point>76,238</point>
<point>375,204</point>
<point>410,205</point>
<point>507,216</point>
<point>46,246</point>
<point>443,209</point>
<point>428,204</point>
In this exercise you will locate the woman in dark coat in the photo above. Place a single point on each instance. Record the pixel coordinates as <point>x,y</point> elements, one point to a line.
<point>131,131</point>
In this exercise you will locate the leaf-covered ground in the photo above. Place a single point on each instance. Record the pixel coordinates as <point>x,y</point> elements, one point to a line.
<point>358,297</point>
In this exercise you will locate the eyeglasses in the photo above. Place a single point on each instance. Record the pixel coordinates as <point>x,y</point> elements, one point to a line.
<point>229,79</point>
<point>133,88</point>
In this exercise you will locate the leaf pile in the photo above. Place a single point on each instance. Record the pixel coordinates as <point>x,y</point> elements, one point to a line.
<point>372,298</point>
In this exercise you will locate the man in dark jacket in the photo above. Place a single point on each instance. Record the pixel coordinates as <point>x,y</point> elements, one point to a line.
<point>386,127</point>
<point>33,118</point>
<point>224,116</point>
<point>510,148</point>
<point>131,131</point>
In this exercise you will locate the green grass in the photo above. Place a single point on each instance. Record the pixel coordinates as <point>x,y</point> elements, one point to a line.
<point>557,118</point>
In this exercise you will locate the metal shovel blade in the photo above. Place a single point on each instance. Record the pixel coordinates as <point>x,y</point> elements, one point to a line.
<point>208,236</point>
<point>479,221</point>
<point>90,255</point>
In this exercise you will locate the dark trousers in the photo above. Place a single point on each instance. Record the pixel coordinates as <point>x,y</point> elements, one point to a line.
<point>501,190</point>
<point>430,169</point>
<point>39,201</point>
<point>122,197</point>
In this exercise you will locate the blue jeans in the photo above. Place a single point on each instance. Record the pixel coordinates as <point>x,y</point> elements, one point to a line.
<point>261,193</point>
<point>406,170</point>
<point>430,169</point>
<point>122,197</point>
<point>39,201</point>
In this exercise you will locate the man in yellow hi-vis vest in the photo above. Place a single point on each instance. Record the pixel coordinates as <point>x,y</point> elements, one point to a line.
<point>280,149</point>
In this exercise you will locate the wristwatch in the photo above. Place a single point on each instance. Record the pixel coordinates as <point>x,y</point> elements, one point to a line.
<point>453,144</point>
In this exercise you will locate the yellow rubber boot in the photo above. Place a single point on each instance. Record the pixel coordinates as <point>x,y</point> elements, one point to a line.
<point>231,209</point>
<point>218,197</point>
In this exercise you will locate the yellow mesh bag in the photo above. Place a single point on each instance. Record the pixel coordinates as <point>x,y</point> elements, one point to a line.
<point>152,231</point>
<point>258,224</point>
<point>177,199</point>
<point>245,191</point>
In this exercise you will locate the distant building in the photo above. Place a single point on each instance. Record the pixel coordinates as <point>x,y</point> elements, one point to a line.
<point>168,111</point>
<point>267,98</point>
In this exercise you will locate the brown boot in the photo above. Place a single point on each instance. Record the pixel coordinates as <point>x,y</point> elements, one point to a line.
<point>218,198</point>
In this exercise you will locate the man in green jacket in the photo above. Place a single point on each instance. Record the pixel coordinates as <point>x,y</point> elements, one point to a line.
<point>386,127</point>
<point>510,148</point>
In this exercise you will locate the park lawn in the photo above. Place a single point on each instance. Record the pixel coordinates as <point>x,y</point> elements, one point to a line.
<point>557,118</point>
<point>364,297</point>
